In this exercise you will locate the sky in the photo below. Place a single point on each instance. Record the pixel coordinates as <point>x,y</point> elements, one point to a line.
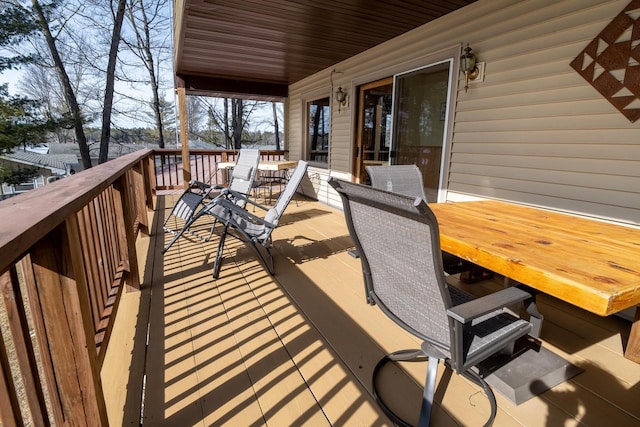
<point>11,77</point>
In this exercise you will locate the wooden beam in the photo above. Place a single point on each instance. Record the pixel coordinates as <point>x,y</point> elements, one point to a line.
<point>184,135</point>
<point>232,88</point>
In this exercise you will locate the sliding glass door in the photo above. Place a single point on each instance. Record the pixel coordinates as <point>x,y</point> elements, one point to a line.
<point>419,122</point>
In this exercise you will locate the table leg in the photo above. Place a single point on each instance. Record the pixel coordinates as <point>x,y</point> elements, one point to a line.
<point>632,351</point>
<point>535,317</point>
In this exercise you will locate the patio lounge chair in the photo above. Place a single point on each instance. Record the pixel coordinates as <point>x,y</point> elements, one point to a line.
<point>407,180</point>
<point>398,240</point>
<point>198,193</point>
<point>247,227</point>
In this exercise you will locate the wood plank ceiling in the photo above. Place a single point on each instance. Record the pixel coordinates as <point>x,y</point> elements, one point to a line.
<point>256,48</point>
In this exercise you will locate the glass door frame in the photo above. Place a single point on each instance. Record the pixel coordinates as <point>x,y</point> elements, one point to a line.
<point>452,87</point>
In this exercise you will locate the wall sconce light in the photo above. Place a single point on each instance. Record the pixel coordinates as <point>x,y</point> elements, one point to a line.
<point>341,97</point>
<point>468,66</point>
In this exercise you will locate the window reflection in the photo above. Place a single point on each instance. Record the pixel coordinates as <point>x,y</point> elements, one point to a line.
<point>318,138</point>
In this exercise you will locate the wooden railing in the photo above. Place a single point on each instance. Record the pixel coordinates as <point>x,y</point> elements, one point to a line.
<point>67,251</point>
<point>202,165</point>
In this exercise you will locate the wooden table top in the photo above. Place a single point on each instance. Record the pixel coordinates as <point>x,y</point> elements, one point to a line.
<point>591,264</point>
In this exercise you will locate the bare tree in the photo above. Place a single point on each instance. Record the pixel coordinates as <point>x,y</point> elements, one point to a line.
<point>76,56</point>
<point>227,134</point>
<point>276,127</point>
<point>195,115</point>
<point>41,83</point>
<point>110,82</point>
<point>43,22</point>
<point>231,117</point>
<point>150,26</point>
<point>237,122</point>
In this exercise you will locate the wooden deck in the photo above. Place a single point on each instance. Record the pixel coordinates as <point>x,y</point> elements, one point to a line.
<point>299,348</point>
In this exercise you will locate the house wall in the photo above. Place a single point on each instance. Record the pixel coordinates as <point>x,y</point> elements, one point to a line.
<point>534,131</point>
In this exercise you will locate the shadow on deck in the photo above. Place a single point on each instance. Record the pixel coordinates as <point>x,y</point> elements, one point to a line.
<point>299,348</point>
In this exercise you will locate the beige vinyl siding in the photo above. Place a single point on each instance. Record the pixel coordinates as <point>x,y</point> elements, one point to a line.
<point>341,131</point>
<point>293,127</point>
<point>533,131</point>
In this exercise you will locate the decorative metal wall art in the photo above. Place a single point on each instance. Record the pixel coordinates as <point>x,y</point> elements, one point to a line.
<point>611,62</point>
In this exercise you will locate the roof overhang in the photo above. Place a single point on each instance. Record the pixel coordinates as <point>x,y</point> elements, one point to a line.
<point>256,49</point>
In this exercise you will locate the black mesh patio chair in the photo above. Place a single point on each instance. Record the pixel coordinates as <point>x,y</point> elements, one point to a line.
<point>247,227</point>
<point>198,194</point>
<point>407,180</point>
<point>399,244</point>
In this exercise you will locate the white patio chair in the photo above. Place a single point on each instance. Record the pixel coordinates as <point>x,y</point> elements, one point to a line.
<point>247,227</point>
<point>196,196</point>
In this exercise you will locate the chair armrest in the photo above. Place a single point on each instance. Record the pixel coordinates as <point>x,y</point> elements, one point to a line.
<point>466,312</point>
<point>199,184</point>
<point>245,197</point>
<point>203,186</point>
<point>243,213</point>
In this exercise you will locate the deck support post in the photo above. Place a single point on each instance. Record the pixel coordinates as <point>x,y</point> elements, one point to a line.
<point>184,134</point>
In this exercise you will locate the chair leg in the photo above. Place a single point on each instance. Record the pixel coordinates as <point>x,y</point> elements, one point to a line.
<point>188,223</point>
<point>166,220</point>
<point>213,226</point>
<point>267,261</point>
<point>218,261</point>
<point>429,391</point>
<point>178,234</point>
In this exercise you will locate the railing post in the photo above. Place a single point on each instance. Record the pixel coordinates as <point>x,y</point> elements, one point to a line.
<point>68,337</point>
<point>149,172</point>
<point>139,196</point>
<point>125,206</point>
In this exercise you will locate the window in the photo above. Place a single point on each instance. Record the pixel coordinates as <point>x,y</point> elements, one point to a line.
<point>318,136</point>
